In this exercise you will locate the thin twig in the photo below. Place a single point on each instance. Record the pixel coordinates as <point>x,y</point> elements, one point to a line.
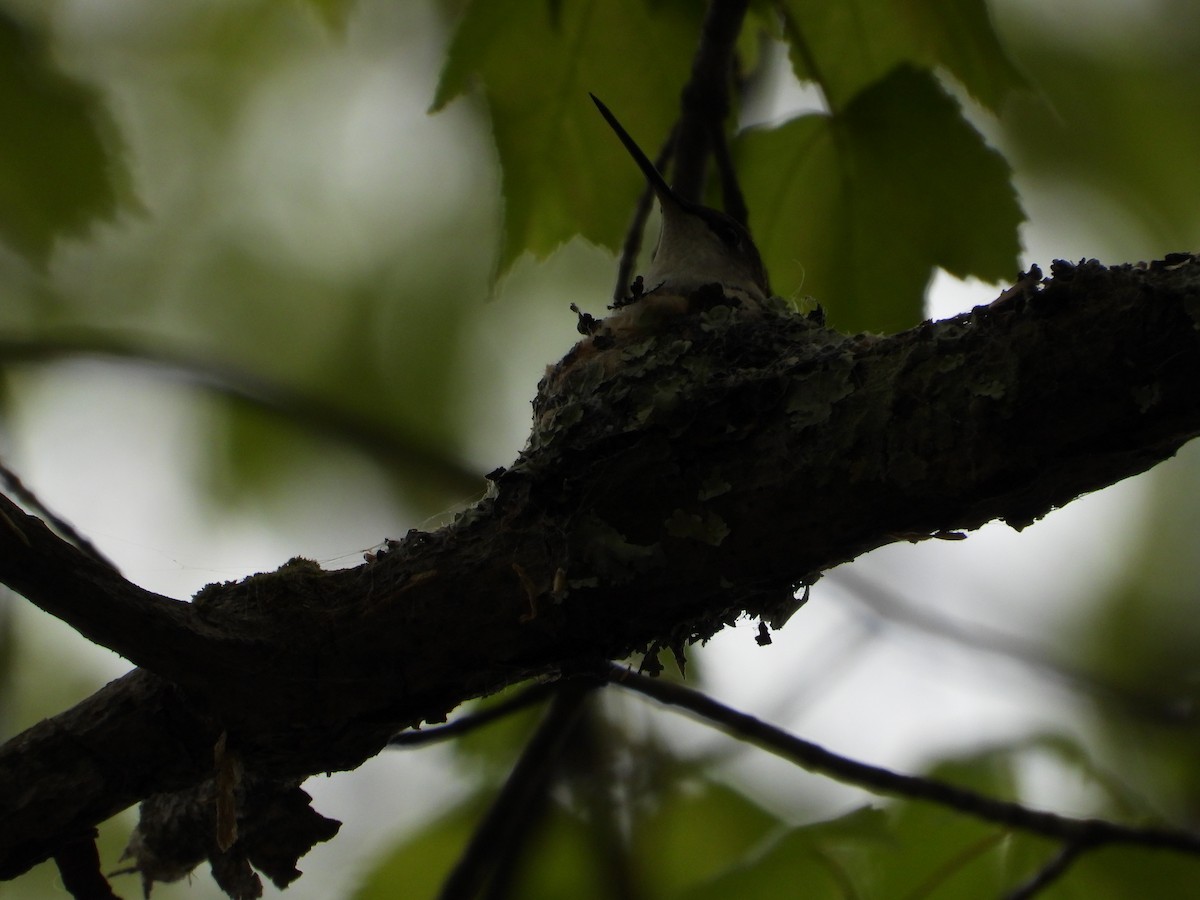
<point>468,723</point>
<point>1051,872</point>
<point>509,815</point>
<point>955,864</point>
<point>599,792</point>
<point>884,781</point>
<point>705,99</point>
<point>732,199</point>
<point>385,442</point>
<point>889,605</point>
<point>17,488</point>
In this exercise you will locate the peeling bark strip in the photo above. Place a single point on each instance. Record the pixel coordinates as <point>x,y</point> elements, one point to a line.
<point>673,482</point>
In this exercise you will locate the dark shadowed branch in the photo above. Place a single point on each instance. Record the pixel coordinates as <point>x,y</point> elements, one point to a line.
<point>705,99</point>
<point>1054,869</point>
<point>466,724</point>
<point>663,494</point>
<point>505,826</point>
<point>15,487</point>
<point>1080,833</point>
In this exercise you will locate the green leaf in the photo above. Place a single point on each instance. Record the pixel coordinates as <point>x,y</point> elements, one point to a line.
<point>695,832</point>
<point>1142,636</point>
<point>847,45</point>
<point>565,859</point>
<point>564,172</point>
<point>858,209</point>
<point>334,13</point>
<point>416,868</point>
<point>489,752</point>
<point>1129,873</point>
<point>912,850</point>
<point>58,169</point>
<point>818,861</point>
<point>940,853</point>
<point>1124,168</point>
<point>368,359</point>
<point>916,849</point>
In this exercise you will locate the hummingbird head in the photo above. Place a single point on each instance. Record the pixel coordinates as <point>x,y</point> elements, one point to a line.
<point>696,245</point>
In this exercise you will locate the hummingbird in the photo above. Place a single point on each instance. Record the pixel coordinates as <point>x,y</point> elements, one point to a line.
<point>697,246</point>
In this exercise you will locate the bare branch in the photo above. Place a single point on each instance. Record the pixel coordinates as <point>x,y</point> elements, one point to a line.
<point>705,99</point>
<point>466,724</point>
<point>509,816</point>
<point>79,867</point>
<point>1081,832</point>
<point>887,604</point>
<point>387,443</point>
<point>15,486</point>
<point>1054,869</point>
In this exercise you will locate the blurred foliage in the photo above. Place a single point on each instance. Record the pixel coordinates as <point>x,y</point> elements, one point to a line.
<point>249,194</point>
<point>858,208</point>
<point>335,12</point>
<point>695,839</point>
<point>1144,634</point>
<point>417,867</point>
<point>836,199</point>
<point>1115,131</point>
<point>257,265</point>
<point>60,158</point>
<point>858,205</point>
<point>845,46</point>
<point>563,172</point>
<point>1112,126</point>
<point>629,812</point>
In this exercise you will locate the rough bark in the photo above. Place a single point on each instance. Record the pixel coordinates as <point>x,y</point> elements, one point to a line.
<point>674,481</point>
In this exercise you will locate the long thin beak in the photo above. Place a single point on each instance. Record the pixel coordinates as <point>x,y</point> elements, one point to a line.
<point>659,184</point>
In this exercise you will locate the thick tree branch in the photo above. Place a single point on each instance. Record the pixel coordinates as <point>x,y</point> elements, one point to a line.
<point>673,482</point>
<point>135,737</point>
